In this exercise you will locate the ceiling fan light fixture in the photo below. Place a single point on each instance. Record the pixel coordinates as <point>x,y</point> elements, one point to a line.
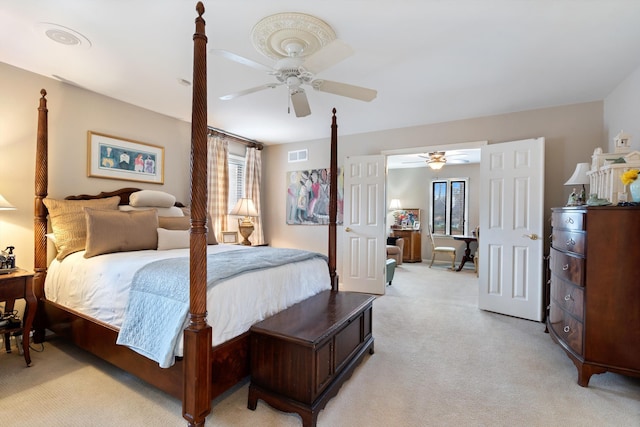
<point>436,164</point>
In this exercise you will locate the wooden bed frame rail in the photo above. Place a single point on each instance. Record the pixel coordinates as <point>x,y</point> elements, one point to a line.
<point>204,372</point>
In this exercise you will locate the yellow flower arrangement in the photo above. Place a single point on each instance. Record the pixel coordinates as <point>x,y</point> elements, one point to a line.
<point>629,176</point>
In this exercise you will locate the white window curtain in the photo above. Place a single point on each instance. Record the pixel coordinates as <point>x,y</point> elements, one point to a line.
<point>218,188</point>
<point>253,176</point>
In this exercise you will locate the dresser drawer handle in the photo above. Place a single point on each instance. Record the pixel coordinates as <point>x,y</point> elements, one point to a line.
<point>571,242</point>
<point>568,297</point>
<point>569,220</point>
<point>566,329</point>
<point>565,267</point>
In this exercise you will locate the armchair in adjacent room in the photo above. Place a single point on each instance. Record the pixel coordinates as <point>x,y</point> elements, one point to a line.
<point>395,249</point>
<point>435,250</point>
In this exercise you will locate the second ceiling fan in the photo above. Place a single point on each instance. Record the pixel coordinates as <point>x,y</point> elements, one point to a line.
<point>302,46</point>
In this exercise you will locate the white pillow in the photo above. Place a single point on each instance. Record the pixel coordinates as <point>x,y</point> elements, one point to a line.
<point>172,239</point>
<point>172,211</point>
<point>154,198</point>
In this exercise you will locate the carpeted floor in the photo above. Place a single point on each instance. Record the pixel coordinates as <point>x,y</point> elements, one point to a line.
<point>439,361</point>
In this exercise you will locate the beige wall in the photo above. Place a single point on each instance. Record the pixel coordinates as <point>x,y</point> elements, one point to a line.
<point>72,112</point>
<point>622,110</point>
<point>572,133</point>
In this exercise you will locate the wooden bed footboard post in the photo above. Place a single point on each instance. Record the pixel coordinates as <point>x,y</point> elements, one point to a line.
<point>196,402</point>
<point>40,213</point>
<point>333,202</point>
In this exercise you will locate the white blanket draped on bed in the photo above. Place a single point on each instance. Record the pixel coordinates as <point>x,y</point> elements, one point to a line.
<point>98,287</point>
<point>158,306</point>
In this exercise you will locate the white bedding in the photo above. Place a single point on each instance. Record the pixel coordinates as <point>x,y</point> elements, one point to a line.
<point>98,287</point>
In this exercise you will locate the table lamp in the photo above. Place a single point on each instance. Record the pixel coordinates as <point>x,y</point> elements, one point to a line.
<point>579,177</point>
<point>245,208</point>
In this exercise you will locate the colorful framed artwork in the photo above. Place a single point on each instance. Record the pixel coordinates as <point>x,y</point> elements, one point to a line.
<point>113,157</point>
<point>308,197</point>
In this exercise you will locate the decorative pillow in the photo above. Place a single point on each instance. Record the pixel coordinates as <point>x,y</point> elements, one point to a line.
<point>184,223</point>
<point>172,239</point>
<point>152,198</point>
<point>68,223</point>
<point>172,211</point>
<point>115,231</point>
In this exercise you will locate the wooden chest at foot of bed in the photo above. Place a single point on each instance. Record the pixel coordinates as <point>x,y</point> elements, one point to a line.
<point>301,356</point>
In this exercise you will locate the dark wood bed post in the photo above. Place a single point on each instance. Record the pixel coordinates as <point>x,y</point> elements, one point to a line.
<point>39,210</point>
<point>333,202</point>
<point>196,402</point>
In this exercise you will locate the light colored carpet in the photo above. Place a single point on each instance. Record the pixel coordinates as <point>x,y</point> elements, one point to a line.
<point>439,361</point>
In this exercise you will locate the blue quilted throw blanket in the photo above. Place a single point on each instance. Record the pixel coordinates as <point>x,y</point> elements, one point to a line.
<point>158,306</point>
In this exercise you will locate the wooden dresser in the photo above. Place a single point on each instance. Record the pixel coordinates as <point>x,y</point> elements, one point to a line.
<point>412,244</point>
<point>594,311</point>
<point>300,357</point>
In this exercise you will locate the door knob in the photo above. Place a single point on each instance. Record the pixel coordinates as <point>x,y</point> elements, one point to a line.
<point>532,236</point>
<point>348,230</point>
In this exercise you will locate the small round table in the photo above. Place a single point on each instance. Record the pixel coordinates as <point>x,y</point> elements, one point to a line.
<point>467,251</point>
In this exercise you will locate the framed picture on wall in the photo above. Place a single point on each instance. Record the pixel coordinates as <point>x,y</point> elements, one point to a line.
<point>119,158</point>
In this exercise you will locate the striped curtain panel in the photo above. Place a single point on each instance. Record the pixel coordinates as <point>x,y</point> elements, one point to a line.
<point>218,188</point>
<point>253,176</point>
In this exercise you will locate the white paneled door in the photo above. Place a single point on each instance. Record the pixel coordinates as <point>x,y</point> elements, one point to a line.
<point>511,227</point>
<point>364,243</point>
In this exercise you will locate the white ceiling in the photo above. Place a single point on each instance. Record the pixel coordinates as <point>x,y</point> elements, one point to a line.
<point>430,60</point>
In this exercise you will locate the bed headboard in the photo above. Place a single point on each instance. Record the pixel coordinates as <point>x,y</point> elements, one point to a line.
<point>124,194</point>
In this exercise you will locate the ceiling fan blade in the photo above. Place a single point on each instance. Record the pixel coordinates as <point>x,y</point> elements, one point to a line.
<point>332,53</point>
<point>242,60</point>
<point>250,90</point>
<point>343,89</point>
<point>300,103</point>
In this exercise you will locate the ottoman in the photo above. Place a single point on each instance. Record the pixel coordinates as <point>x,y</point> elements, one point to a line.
<point>391,269</point>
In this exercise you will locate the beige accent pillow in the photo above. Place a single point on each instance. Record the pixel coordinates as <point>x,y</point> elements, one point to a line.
<point>68,222</point>
<point>111,231</point>
<point>173,239</point>
<point>184,223</point>
<point>153,198</point>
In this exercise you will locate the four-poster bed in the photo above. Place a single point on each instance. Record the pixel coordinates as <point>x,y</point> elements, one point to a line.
<point>203,372</point>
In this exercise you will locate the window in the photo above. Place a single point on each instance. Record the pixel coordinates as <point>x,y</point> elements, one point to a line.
<point>236,179</point>
<point>449,206</point>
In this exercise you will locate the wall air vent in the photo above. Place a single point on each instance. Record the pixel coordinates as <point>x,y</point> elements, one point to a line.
<point>298,156</point>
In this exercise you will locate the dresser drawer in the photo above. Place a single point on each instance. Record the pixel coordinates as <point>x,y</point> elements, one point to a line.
<point>567,267</point>
<point>566,327</point>
<point>568,220</point>
<point>568,296</point>
<point>569,241</point>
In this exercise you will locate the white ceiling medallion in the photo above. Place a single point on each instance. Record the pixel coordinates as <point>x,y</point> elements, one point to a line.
<point>275,34</point>
<point>63,35</point>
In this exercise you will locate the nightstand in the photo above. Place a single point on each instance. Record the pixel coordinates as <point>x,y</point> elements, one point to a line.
<point>13,286</point>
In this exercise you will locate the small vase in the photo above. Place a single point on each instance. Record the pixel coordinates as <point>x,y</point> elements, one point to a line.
<point>634,189</point>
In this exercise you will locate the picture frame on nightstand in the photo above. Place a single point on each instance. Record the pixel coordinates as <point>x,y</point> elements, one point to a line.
<point>230,237</point>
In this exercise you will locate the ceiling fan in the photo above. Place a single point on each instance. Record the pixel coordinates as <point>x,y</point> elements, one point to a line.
<point>302,46</point>
<point>437,159</point>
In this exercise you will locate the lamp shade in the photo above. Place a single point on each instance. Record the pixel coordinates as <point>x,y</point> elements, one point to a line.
<point>5,205</point>
<point>244,207</point>
<point>395,204</point>
<point>579,176</point>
